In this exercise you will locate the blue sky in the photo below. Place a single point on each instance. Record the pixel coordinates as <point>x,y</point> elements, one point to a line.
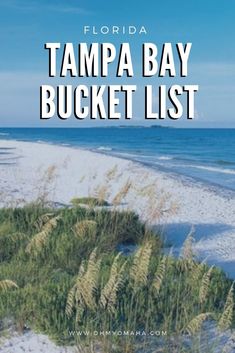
<point>25,25</point>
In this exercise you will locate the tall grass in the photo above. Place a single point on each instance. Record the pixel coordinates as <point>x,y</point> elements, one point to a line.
<point>61,270</point>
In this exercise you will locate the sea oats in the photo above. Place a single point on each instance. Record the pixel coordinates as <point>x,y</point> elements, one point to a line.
<point>159,275</point>
<point>226,318</point>
<point>187,248</point>
<point>205,284</point>
<point>111,173</point>
<point>109,293</point>
<point>39,223</point>
<point>7,284</point>
<point>195,324</point>
<point>85,228</point>
<point>38,241</point>
<point>84,291</point>
<point>122,193</point>
<point>140,266</point>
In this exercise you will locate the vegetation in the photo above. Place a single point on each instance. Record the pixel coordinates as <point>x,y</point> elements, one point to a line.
<point>90,201</point>
<point>61,272</point>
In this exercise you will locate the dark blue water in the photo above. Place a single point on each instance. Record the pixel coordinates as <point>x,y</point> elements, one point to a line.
<point>205,154</point>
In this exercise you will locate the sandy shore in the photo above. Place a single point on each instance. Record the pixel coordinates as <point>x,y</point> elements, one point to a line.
<point>60,173</point>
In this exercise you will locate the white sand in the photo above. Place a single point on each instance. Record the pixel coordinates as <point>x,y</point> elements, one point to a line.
<point>31,343</point>
<point>79,172</point>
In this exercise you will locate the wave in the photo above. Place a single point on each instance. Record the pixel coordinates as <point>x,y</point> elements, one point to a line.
<point>165,158</point>
<point>214,169</point>
<point>4,134</point>
<point>103,148</point>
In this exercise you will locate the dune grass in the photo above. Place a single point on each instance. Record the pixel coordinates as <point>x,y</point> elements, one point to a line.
<point>67,275</point>
<point>90,201</point>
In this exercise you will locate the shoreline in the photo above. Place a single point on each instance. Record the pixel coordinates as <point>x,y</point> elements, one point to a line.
<point>188,180</point>
<point>224,191</point>
<point>78,172</point>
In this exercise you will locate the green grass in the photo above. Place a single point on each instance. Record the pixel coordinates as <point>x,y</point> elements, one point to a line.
<point>70,276</point>
<point>90,201</point>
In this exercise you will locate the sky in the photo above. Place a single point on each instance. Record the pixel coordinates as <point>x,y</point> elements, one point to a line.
<point>25,25</point>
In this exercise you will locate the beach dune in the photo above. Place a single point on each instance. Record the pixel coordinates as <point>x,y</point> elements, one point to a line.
<point>171,204</point>
<point>60,173</point>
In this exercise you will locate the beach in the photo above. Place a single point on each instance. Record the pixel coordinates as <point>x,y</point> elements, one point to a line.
<point>30,170</point>
<point>63,173</point>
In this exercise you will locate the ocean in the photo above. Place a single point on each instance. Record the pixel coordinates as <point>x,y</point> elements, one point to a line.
<point>206,155</point>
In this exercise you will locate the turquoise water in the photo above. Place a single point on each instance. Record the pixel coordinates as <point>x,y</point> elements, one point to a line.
<point>207,155</point>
